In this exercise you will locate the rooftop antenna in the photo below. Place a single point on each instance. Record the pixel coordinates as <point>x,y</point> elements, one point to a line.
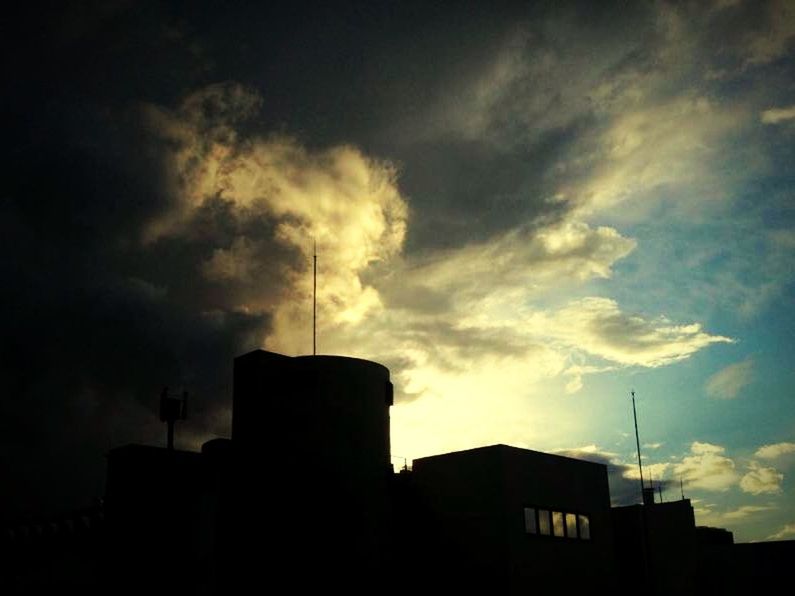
<point>682,487</point>
<point>637,442</point>
<point>171,410</point>
<point>405,467</point>
<point>314,298</point>
<point>650,487</point>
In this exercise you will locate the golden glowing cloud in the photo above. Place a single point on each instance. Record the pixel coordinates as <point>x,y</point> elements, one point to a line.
<point>344,201</point>
<point>707,468</point>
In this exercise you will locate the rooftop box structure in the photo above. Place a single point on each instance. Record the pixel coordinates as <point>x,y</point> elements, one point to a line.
<point>515,521</point>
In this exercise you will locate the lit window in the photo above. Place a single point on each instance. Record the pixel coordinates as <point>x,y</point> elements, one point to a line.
<point>530,520</point>
<point>571,525</point>
<point>557,523</point>
<point>544,527</point>
<point>585,527</point>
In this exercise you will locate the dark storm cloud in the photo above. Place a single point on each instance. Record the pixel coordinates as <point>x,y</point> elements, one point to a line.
<point>379,74</point>
<point>99,314</point>
<point>95,323</point>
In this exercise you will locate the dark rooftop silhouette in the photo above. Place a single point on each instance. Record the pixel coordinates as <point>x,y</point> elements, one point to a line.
<point>303,496</point>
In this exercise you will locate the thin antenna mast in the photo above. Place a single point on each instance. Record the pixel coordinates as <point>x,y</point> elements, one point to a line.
<point>637,442</point>
<point>682,488</point>
<point>651,486</point>
<point>314,299</point>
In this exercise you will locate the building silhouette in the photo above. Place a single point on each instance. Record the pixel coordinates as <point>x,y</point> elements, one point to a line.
<point>656,544</point>
<point>303,499</point>
<point>306,476</point>
<point>514,521</point>
<point>310,450</point>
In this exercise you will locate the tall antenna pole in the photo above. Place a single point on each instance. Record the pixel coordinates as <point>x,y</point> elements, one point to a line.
<point>637,442</point>
<point>651,486</point>
<point>682,488</point>
<point>314,300</point>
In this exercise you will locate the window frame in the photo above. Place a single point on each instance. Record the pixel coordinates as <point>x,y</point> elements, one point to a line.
<point>537,510</point>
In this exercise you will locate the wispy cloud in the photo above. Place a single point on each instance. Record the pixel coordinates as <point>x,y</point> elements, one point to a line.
<point>727,383</point>
<point>658,152</point>
<point>746,510</point>
<point>711,515</point>
<point>506,269</point>
<point>775,450</point>
<point>787,531</point>
<point>598,327</point>
<point>777,115</point>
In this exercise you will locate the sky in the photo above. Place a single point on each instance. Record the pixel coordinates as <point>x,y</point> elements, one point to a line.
<point>526,210</point>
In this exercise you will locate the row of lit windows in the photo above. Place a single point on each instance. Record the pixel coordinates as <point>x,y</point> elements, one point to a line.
<point>556,523</point>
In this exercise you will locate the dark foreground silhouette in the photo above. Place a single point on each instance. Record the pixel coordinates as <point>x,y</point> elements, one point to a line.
<point>303,499</point>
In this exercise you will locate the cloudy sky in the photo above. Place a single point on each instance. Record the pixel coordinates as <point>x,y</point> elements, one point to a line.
<point>524,210</point>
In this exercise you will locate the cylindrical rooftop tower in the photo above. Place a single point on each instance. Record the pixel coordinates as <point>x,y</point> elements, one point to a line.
<point>325,408</point>
<point>310,438</point>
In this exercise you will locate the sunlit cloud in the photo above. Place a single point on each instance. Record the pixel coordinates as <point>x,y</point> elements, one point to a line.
<point>760,480</point>
<point>727,383</point>
<point>775,450</point>
<point>661,152</point>
<point>578,371</point>
<point>651,472</point>
<point>777,115</point>
<point>707,468</point>
<point>598,327</point>
<point>503,272</point>
<point>278,194</point>
<point>786,532</point>
<point>746,510</point>
<point>588,450</point>
<point>711,515</point>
